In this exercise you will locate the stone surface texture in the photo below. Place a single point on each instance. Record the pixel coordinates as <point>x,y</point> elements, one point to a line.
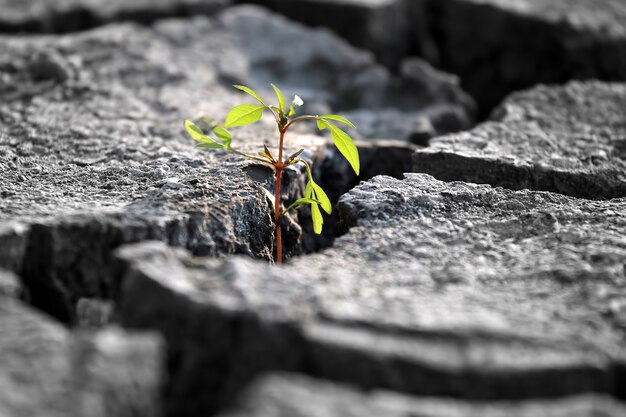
<point>10,285</point>
<point>46,371</point>
<point>75,15</point>
<point>289,395</point>
<point>487,43</point>
<point>568,139</point>
<point>451,289</point>
<point>93,154</point>
<point>380,26</point>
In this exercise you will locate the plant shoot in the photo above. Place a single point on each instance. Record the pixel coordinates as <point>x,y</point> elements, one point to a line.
<point>285,117</point>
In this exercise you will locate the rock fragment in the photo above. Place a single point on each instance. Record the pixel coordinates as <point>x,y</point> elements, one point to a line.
<point>437,289</point>
<point>487,43</point>
<point>9,284</point>
<point>380,26</point>
<point>45,371</point>
<point>286,395</point>
<point>63,16</point>
<point>13,241</point>
<point>566,139</point>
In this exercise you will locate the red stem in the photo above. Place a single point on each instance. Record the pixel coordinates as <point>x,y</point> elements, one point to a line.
<point>279,240</point>
<point>279,172</point>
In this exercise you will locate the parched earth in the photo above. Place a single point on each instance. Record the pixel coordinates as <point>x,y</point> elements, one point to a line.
<point>438,289</point>
<point>93,152</point>
<point>469,271</point>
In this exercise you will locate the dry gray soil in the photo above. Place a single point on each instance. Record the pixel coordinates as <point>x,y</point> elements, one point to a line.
<point>476,268</point>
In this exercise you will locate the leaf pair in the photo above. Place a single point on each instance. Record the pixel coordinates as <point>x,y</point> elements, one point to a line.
<point>244,114</point>
<point>205,141</point>
<point>300,202</point>
<point>316,193</point>
<point>315,196</point>
<point>297,101</point>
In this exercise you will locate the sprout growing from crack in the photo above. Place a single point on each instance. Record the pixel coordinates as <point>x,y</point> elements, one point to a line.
<point>245,114</point>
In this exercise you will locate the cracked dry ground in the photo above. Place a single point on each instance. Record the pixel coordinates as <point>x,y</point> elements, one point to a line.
<point>482,275</point>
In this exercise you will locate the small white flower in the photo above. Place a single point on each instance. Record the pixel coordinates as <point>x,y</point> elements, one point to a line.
<point>297,101</point>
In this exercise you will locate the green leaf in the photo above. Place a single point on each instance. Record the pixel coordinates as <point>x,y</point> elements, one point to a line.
<point>250,92</point>
<point>344,144</point>
<point>318,220</point>
<point>322,197</point>
<point>223,135</point>
<point>194,131</point>
<point>337,119</point>
<point>210,145</point>
<point>321,125</point>
<point>281,99</point>
<point>315,192</point>
<point>196,134</point>
<point>243,114</point>
<point>306,201</point>
<point>300,202</point>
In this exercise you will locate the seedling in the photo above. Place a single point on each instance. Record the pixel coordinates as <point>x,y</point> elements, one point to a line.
<point>245,114</point>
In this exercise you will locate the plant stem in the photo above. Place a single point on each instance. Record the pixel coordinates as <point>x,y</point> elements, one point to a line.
<point>279,172</point>
<point>279,237</point>
<point>297,119</point>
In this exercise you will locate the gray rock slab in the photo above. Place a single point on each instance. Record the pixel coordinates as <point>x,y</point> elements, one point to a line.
<point>438,289</point>
<point>94,313</point>
<point>568,139</point>
<point>13,241</point>
<point>10,285</point>
<point>46,371</point>
<point>288,395</point>
<point>381,26</point>
<point>62,16</point>
<point>487,42</point>
<point>93,154</point>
